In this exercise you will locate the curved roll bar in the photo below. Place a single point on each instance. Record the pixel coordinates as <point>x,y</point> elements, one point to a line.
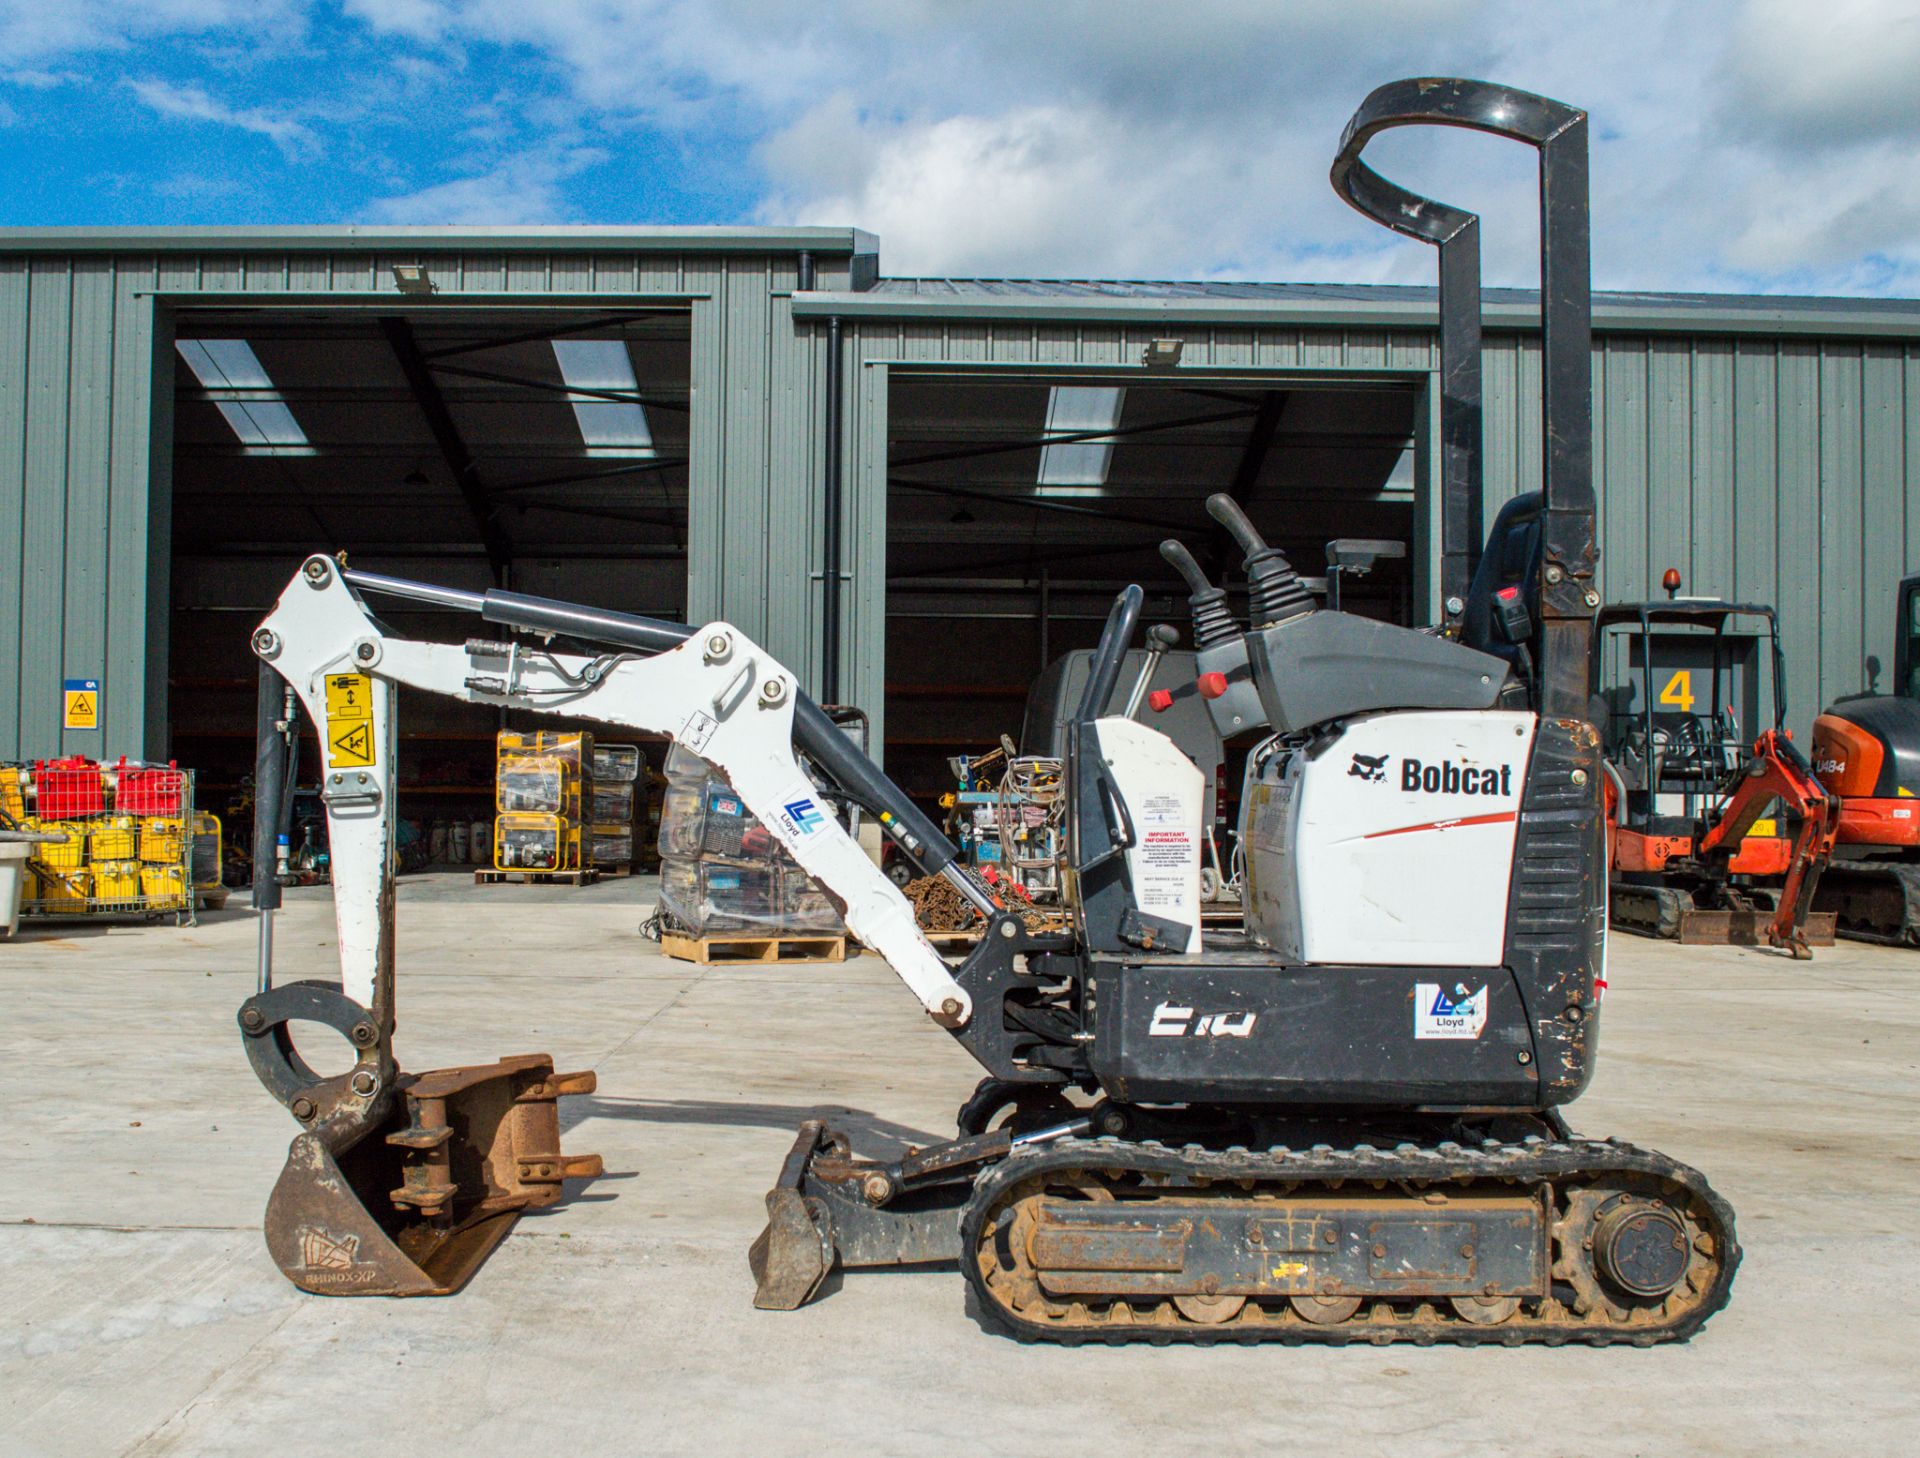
<point>1559,133</point>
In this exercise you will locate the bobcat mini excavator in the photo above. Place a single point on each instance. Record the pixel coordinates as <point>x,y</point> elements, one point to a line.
<point>1342,1125</point>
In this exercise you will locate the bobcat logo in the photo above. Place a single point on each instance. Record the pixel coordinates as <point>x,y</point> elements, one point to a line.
<point>1369,767</point>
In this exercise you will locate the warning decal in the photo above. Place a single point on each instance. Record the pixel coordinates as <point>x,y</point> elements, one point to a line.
<point>349,721</point>
<point>82,704</point>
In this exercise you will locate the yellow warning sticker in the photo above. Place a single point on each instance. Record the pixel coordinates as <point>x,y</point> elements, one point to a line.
<point>349,721</point>
<point>82,700</point>
<point>351,743</point>
<point>349,696</point>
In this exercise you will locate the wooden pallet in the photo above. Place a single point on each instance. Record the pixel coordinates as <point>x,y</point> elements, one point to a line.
<point>490,877</point>
<point>973,934</point>
<point>953,938</point>
<point>763,951</point>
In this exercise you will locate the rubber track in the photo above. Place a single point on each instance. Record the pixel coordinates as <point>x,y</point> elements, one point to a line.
<point>1905,875</point>
<point>1530,1161</point>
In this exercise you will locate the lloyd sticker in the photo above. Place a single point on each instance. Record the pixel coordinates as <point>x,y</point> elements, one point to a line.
<point>1442,1013</point>
<point>799,812</point>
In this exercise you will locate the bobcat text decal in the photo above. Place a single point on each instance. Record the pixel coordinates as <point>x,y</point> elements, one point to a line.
<point>1455,779</point>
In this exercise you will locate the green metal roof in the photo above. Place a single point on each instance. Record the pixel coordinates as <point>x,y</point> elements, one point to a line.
<point>1225,303</point>
<point>350,237</point>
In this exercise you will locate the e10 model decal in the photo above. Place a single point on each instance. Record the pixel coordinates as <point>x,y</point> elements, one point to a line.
<point>1170,1021</point>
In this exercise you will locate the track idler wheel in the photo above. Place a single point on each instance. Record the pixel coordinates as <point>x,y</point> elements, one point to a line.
<point>1641,1251</point>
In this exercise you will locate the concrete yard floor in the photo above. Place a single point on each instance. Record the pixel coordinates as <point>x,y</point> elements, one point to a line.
<point>142,1315</point>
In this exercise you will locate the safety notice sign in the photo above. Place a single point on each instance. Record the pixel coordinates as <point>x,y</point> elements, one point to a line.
<point>349,721</point>
<point>82,697</point>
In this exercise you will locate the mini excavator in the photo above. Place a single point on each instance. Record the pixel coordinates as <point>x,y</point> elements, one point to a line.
<point>1342,1125</point>
<point>1687,791</point>
<point>1866,750</point>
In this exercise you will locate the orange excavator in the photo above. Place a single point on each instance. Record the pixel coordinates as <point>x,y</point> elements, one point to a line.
<point>1695,812</point>
<point>1866,749</point>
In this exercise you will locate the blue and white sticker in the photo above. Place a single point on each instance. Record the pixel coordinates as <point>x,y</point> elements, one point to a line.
<point>1442,1012</point>
<point>800,812</point>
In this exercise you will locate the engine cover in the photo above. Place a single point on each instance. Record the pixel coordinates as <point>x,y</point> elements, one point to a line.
<point>1390,844</point>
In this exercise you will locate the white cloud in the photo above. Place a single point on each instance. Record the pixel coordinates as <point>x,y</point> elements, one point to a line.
<point>1825,74</point>
<point>1737,143</point>
<point>36,29</point>
<point>524,189</point>
<point>191,103</point>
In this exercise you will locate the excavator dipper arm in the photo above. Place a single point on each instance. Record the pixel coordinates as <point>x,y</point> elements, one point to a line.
<point>1778,771</point>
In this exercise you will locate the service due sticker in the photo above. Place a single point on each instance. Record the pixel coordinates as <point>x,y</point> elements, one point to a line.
<point>349,721</point>
<point>1442,1013</point>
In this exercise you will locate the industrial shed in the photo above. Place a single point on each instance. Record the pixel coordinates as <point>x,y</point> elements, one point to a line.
<point>914,491</point>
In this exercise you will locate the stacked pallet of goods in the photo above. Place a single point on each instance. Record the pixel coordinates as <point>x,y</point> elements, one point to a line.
<point>117,840</point>
<point>617,768</point>
<point>728,889</point>
<point>543,788</point>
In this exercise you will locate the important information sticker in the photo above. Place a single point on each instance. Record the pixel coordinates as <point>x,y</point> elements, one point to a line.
<point>349,721</point>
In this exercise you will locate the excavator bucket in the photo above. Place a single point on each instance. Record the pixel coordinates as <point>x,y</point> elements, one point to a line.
<point>415,1206</point>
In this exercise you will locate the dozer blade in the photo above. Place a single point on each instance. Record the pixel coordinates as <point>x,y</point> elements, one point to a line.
<point>414,1207</point>
<point>1740,928</point>
<point>793,1255</point>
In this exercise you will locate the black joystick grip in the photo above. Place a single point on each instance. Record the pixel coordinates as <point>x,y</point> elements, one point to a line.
<point>1225,510</point>
<point>1274,590</point>
<point>1212,623</point>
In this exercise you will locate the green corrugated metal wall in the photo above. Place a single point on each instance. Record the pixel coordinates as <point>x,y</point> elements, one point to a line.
<point>86,390</point>
<point>1771,469</point>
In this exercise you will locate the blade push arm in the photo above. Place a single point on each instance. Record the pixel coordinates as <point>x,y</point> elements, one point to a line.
<point>719,693</point>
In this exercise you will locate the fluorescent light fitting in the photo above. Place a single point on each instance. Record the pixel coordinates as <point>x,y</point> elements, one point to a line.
<point>239,387</point>
<point>413,278</point>
<point>1079,464</point>
<point>608,427</point>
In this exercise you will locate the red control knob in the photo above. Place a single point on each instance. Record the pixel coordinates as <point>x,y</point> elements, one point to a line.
<point>1160,700</point>
<point>1211,685</point>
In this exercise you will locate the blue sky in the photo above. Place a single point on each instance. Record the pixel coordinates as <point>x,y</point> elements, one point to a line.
<point>1740,144</point>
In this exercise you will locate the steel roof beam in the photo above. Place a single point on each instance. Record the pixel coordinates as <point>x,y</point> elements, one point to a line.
<point>453,448</point>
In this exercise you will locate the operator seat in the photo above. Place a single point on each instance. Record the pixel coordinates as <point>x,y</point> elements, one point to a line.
<point>1512,559</point>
